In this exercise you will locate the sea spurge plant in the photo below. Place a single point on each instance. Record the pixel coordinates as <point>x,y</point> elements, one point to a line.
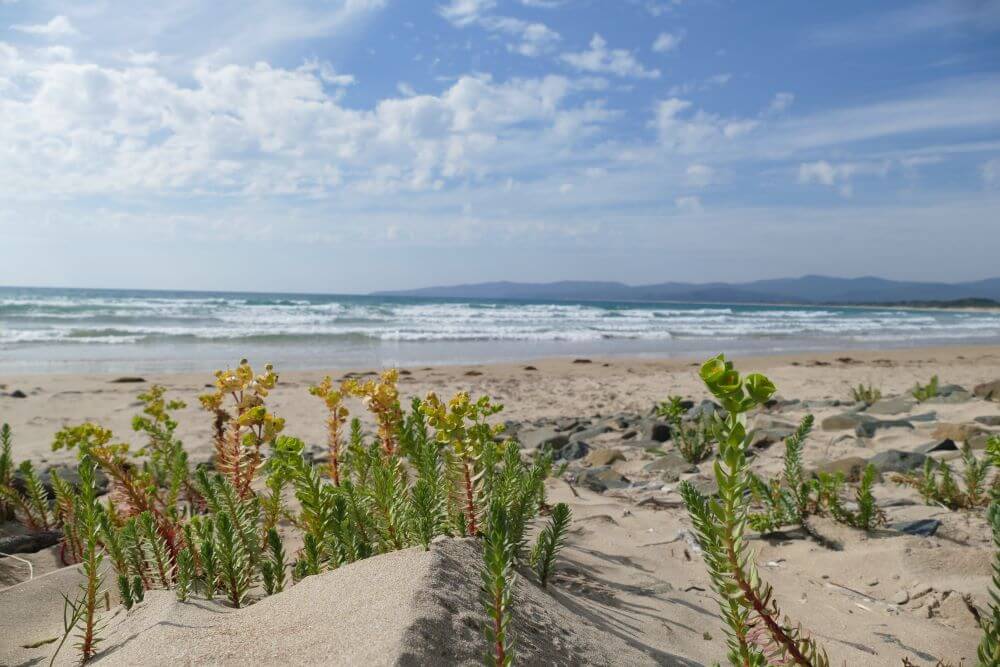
<point>250,425</point>
<point>336,418</point>
<point>757,633</point>
<point>234,561</point>
<point>866,394</point>
<point>185,574</point>
<point>274,564</point>
<point>989,646</point>
<point>550,542</point>
<point>430,491</point>
<point>461,424</point>
<point>30,506</point>
<point>158,426</point>
<point>6,471</point>
<point>923,392</point>
<point>498,580</point>
<point>88,527</point>
<point>938,485</point>
<point>156,549</point>
<point>381,398</point>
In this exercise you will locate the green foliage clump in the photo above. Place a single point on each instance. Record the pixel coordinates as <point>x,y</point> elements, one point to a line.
<point>550,542</point>
<point>757,633</point>
<point>694,440</point>
<point>866,394</point>
<point>938,485</point>
<point>923,392</point>
<point>6,472</point>
<point>498,581</point>
<point>791,499</point>
<point>989,646</point>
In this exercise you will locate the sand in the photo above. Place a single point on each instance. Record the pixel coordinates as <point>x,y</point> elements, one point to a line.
<point>630,587</point>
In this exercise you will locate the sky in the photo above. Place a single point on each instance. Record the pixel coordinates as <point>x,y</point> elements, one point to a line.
<point>353,145</point>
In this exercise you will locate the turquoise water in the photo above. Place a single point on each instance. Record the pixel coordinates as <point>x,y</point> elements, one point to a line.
<point>53,330</point>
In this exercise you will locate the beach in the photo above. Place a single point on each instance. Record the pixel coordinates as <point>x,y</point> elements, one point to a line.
<point>631,567</point>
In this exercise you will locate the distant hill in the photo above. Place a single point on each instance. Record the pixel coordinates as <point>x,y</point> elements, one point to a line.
<point>805,290</point>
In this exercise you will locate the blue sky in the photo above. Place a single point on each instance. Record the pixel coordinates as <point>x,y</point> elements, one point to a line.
<point>352,145</point>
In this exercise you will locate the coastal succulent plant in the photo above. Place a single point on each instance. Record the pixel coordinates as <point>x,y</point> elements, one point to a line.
<point>550,542</point>
<point>923,392</point>
<point>498,582</point>
<point>695,440</point>
<point>6,471</point>
<point>866,394</point>
<point>757,632</point>
<point>336,418</point>
<point>938,485</point>
<point>989,646</point>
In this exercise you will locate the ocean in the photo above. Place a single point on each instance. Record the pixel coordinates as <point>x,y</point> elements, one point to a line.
<point>85,330</point>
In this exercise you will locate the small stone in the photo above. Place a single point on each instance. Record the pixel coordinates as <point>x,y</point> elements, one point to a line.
<point>851,467</point>
<point>988,420</point>
<point>602,479</point>
<point>128,379</point>
<point>920,527</point>
<point>894,460</point>
<point>957,432</point>
<point>603,457</point>
<point>989,391</point>
<point>17,393</point>
<point>891,406</point>
<point>872,582</point>
<point>902,597</point>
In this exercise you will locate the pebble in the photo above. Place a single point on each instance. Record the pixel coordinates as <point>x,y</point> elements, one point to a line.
<point>902,597</point>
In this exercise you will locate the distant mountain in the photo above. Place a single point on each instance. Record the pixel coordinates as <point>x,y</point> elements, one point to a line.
<point>805,290</point>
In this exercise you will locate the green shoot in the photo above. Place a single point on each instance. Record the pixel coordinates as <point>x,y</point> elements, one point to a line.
<point>923,392</point>
<point>550,543</point>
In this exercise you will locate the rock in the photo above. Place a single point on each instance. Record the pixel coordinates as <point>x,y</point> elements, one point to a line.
<point>851,467</point>
<point>844,421</point>
<point>603,457</point>
<point>543,437</point>
<point>567,424</point>
<point>573,451</point>
<point>989,391</point>
<point>654,429</point>
<point>29,543</point>
<point>764,438</point>
<point>582,361</point>
<point>946,445</point>
<point>920,527</point>
<point>957,432</point>
<point>988,420</point>
<point>768,423</point>
<point>128,380</point>
<point>868,428</point>
<point>894,460</point>
<point>670,466</point>
<point>589,433</point>
<point>950,399</point>
<point>706,407</point>
<point>69,473</point>
<point>901,597</point>
<point>923,417</point>
<point>708,486</point>
<point>601,479</point>
<point>891,406</point>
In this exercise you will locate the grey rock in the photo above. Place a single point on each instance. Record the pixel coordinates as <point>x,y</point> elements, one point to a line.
<point>128,380</point>
<point>589,433</point>
<point>573,451</point>
<point>979,441</point>
<point>901,597</point>
<point>708,486</point>
<point>988,420</point>
<point>951,389</point>
<point>654,429</point>
<point>923,417</point>
<point>764,438</point>
<point>891,406</point>
<point>950,399</point>
<point>989,391</point>
<point>706,407</point>
<point>670,466</point>
<point>602,479</point>
<point>844,421</point>
<point>945,445</point>
<point>868,429</point>
<point>894,460</point>
<point>603,457</point>
<point>920,527</point>
<point>30,542</point>
<point>17,393</point>
<point>768,423</point>
<point>543,437</point>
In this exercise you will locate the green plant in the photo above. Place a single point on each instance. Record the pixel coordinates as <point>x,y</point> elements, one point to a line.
<point>866,394</point>
<point>938,485</point>
<point>185,574</point>
<point>550,542</point>
<point>234,562</point>
<point>30,506</point>
<point>274,565</point>
<point>695,440</point>
<point>6,472</point>
<point>336,417</point>
<point>498,581</point>
<point>923,392</point>
<point>989,645</point>
<point>757,634</point>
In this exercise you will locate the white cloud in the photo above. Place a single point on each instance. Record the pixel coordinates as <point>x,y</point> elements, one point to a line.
<point>59,26</point>
<point>839,175</point>
<point>991,172</point>
<point>701,131</point>
<point>714,81</point>
<point>530,39</point>
<point>602,60</point>
<point>780,102</point>
<point>689,204</point>
<point>699,175</point>
<point>80,128</point>
<point>543,4</point>
<point>666,41</point>
<point>466,12</point>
